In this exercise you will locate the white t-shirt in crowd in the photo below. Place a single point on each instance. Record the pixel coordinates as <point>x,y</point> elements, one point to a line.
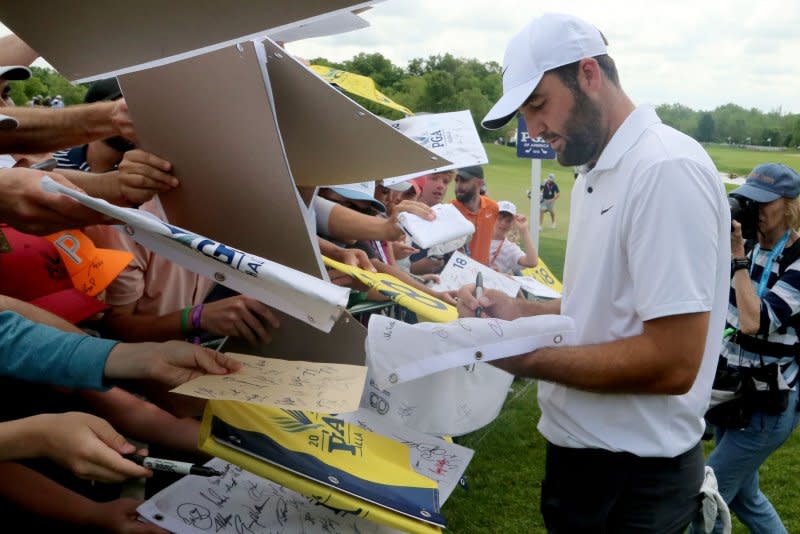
<point>506,259</point>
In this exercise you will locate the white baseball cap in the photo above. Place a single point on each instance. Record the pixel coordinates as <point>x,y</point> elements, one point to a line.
<point>359,191</point>
<point>400,186</point>
<point>547,42</point>
<point>508,207</point>
<point>15,72</point>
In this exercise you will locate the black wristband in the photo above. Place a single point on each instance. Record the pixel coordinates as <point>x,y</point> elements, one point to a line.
<point>739,263</point>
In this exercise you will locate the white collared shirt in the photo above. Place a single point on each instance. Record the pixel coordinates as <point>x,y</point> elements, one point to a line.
<point>649,237</point>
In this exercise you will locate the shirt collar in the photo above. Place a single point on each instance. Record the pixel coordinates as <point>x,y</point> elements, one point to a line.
<point>626,135</point>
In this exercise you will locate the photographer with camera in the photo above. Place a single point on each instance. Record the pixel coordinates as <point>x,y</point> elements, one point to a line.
<point>761,356</point>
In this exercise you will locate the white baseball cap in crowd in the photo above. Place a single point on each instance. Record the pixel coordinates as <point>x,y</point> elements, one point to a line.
<point>401,186</point>
<point>547,42</point>
<point>507,207</point>
<point>359,191</point>
<point>14,72</point>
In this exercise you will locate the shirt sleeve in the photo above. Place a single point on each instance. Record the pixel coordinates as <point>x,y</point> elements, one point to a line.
<point>322,211</point>
<point>672,239</point>
<point>509,256</point>
<point>515,253</point>
<point>40,353</point>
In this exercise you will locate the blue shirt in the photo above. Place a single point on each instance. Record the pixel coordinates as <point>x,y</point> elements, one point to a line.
<point>40,353</point>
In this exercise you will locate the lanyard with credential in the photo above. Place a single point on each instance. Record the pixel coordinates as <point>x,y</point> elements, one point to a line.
<point>774,253</point>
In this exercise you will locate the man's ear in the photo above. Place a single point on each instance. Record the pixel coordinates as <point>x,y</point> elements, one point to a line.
<point>590,78</point>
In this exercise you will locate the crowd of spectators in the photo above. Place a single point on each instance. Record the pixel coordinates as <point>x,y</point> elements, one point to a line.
<point>64,349</point>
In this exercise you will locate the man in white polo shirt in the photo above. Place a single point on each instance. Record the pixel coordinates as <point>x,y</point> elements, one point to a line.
<point>645,276</point>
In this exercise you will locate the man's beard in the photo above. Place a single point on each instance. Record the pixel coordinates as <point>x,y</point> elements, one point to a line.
<point>467,196</point>
<point>583,138</point>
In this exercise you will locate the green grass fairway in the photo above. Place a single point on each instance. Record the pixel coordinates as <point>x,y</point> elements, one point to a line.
<point>505,475</point>
<point>741,162</point>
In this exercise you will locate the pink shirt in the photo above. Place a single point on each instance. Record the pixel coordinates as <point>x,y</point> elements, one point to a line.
<point>155,284</point>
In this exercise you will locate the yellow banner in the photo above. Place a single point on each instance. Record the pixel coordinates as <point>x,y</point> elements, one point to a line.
<point>427,307</point>
<point>357,84</point>
<point>543,274</point>
<point>342,466</point>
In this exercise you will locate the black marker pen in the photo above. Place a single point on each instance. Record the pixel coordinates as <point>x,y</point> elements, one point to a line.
<point>182,468</point>
<point>478,293</point>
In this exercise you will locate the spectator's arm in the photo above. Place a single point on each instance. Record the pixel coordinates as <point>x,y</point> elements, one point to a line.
<point>531,257</point>
<point>83,443</point>
<point>346,225</point>
<point>15,51</point>
<point>139,178</point>
<point>427,266</point>
<point>48,129</point>
<point>26,207</point>
<point>237,316</point>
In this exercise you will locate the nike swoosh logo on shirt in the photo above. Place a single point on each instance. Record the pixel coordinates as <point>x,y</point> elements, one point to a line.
<point>602,211</point>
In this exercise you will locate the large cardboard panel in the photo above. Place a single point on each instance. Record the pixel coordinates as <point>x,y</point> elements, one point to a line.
<point>91,38</point>
<point>332,25</point>
<point>211,117</point>
<point>329,138</point>
<point>295,340</point>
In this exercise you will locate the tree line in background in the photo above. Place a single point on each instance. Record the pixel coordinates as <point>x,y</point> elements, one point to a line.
<point>444,83</point>
<point>46,82</point>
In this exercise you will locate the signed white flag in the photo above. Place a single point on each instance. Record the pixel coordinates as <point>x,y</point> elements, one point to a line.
<point>309,299</point>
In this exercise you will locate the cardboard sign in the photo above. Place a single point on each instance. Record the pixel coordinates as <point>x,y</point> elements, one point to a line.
<point>462,270</point>
<point>153,32</point>
<point>452,136</point>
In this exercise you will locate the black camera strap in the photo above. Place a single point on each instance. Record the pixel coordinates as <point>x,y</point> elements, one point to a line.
<point>760,346</point>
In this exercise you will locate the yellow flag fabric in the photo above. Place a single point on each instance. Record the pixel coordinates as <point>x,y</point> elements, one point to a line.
<point>427,307</point>
<point>543,274</point>
<point>342,466</point>
<point>357,84</point>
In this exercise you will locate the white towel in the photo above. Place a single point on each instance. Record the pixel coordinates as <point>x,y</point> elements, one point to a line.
<point>713,504</point>
<point>448,225</point>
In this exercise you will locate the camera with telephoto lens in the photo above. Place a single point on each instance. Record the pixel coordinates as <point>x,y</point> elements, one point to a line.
<point>745,211</point>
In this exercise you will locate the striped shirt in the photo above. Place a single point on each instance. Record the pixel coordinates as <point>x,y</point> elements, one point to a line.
<point>73,158</point>
<point>778,307</point>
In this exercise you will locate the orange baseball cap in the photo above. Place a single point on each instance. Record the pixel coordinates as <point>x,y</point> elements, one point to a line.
<point>92,269</point>
<point>32,271</point>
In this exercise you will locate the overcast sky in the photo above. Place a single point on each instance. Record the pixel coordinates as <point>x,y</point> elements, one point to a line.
<point>700,53</point>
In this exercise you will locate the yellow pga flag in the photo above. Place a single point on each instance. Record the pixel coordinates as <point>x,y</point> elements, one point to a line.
<point>357,84</point>
<point>543,274</point>
<point>427,307</point>
<point>341,466</point>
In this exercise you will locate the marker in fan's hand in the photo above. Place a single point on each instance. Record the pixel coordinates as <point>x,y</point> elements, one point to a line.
<point>182,468</point>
